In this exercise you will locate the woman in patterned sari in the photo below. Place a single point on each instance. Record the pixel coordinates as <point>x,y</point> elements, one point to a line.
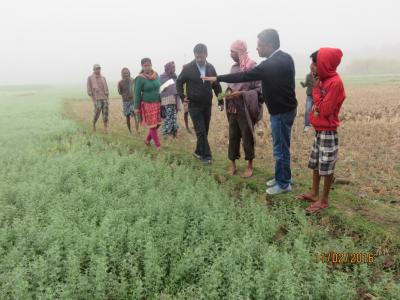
<point>147,101</point>
<point>170,102</point>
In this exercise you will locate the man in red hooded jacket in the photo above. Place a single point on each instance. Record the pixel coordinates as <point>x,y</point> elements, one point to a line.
<point>328,94</point>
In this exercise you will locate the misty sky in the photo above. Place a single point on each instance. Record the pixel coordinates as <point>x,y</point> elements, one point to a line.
<point>58,41</point>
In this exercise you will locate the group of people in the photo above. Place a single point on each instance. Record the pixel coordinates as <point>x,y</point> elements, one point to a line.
<point>152,100</point>
<point>141,99</point>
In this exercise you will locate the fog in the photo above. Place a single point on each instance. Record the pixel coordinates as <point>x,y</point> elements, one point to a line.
<point>58,41</point>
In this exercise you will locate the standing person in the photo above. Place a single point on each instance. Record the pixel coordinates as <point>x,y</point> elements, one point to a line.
<point>199,98</point>
<point>329,94</point>
<point>125,89</point>
<point>309,100</point>
<point>147,101</point>
<point>277,75</point>
<point>97,89</point>
<point>170,102</point>
<point>241,100</point>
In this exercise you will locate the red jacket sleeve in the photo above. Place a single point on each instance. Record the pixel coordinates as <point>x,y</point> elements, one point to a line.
<point>326,104</point>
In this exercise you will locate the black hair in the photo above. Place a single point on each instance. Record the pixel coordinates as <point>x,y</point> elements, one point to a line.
<point>313,57</point>
<point>145,60</point>
<point>270,37</point>
<point>200,49</point>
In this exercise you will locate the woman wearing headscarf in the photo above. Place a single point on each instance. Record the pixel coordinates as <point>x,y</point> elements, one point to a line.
<point>170,102</point>
<point>243,109</point>
<point>147,101</point>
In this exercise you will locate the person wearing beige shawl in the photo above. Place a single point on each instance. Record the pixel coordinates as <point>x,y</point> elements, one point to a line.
<point>97,89</point>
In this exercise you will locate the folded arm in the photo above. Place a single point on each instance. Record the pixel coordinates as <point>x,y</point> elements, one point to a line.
<point>326,104</point>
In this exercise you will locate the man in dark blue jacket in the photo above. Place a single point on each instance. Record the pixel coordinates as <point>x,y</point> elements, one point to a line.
<point>277,74</point>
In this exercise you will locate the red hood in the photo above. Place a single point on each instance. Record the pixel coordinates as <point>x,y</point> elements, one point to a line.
<point>328,60</point>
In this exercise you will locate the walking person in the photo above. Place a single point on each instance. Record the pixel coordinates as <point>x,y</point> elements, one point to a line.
<point>147,101</point>
<point>170,102</point>
<point>125,89</point>
<point>97,89</point>
<point>308,84</point>
<point>277,74</point>
<point>198,98</point>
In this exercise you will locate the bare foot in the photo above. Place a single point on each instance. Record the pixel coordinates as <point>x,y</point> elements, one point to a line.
<point>248,173</point>
<point>232,171</point>
<point>308,197</point>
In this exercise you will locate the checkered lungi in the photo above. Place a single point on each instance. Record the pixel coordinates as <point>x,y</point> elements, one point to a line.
<point>127,108</point>
<point>100,106</point>
<point>324,152</point>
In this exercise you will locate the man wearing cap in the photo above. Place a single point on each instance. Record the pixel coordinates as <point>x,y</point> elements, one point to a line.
<point>97,89</point>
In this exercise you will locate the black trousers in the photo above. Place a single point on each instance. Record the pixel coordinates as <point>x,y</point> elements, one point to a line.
<point>201,117</point>
<point>239,129</point>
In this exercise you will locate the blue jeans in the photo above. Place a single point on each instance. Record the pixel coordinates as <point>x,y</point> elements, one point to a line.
<point>309,104</point>
<point>281,125</point>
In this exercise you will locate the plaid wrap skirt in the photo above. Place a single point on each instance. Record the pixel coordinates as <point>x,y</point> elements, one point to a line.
<point>324,152</point>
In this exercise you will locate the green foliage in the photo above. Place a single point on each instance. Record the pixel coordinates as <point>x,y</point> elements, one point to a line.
<point>81,220</point>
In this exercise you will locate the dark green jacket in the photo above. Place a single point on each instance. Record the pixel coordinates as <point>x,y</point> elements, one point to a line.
<point>146,90</point>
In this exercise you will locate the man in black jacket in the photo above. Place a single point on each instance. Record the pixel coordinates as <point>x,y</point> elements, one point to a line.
<point>277,75</point>
<point>199,98</point>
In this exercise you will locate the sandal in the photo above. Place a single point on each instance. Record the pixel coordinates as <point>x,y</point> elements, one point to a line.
<point>316,207</point>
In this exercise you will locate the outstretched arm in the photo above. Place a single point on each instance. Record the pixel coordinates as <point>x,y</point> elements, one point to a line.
<point>252,75</point>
